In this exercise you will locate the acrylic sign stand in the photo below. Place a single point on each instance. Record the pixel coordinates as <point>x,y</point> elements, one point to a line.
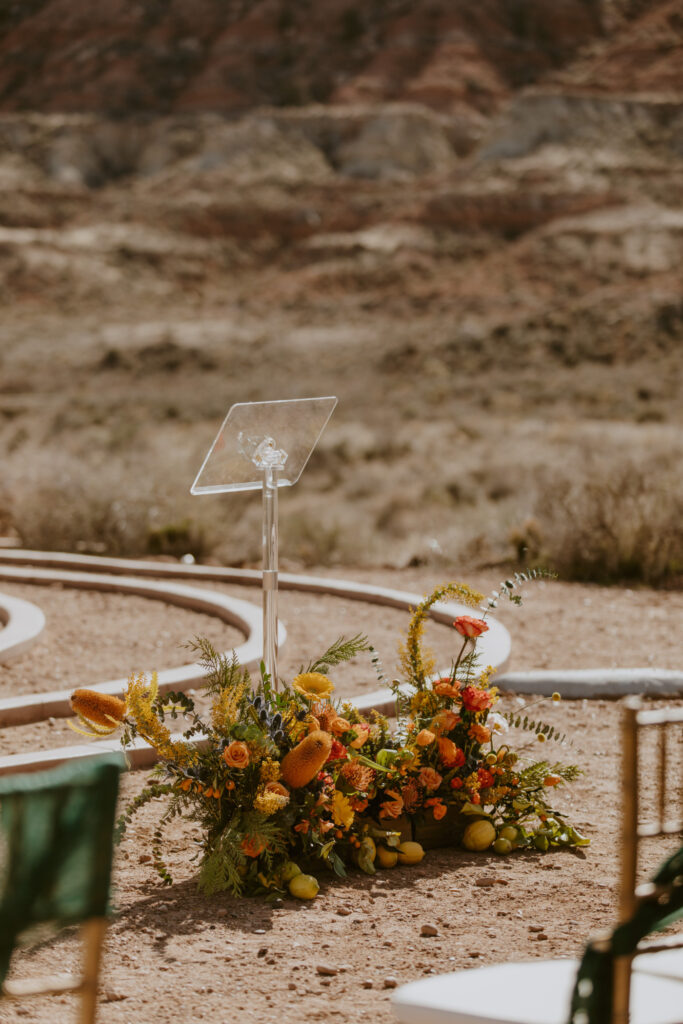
<point>265,445</point>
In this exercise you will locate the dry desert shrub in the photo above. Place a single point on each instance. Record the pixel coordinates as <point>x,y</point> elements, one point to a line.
<point>64,504</point>
<point>609,523</point>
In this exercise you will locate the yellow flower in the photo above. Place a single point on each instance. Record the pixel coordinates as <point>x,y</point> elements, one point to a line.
<point>341,810</point>
<point>140,697</point>
<point>273,797</point>
<point>269,770</point>
<point>313,685</point>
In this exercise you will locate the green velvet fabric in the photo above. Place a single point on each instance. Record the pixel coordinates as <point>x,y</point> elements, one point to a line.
<point>592,997</point>
<point>56,831</point>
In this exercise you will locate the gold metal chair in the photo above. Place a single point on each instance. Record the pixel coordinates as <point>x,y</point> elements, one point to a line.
<point>56,830</point>
<point>602,993</point>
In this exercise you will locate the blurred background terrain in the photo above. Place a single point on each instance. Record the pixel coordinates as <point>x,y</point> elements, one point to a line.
<point>463,217</point>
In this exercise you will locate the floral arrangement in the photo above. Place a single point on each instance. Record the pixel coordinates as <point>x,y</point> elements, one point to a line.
<point>282,781</point>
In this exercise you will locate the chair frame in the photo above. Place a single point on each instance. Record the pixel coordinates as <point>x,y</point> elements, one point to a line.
<point>92,939</point>
<point>635,718</point>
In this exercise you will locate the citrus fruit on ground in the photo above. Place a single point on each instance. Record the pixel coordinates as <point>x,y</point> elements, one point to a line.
<point>478,835</point>
<point>409,853</point>
<point>508,832</point>
<point>304,887</point>
<point>386,858</point>
<point>502,846</point>
<point>290,870</point>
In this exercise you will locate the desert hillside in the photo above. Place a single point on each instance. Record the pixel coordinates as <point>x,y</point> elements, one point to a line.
<point>464,219</point>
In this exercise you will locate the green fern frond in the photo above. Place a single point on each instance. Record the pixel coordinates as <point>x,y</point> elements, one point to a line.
<point>341,650</point>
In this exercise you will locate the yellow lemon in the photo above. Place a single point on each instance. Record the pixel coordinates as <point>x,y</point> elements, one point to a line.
<point>502,846</point>
<point>304,887</point>
<point>478,835</point>
<point>410,853</point>
<point>509,832</point>
<point>290,870</point>
<point>386,858</point>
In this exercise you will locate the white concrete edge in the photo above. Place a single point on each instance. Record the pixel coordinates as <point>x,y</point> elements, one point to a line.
<point>23,624</point>
<point>29,708</point>
<point>494,646</point>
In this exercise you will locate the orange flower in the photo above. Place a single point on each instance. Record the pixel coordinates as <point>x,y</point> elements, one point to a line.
<point>236,755</point>
<point>358,804</point>
<point>445,721</point>
<point>439,810</point>
<point>469,627</point>
<point>479,733</point>
<point>552,780</point>
<point>456,783</point>
<point>252,847</point>
<point>392,808</point>
<point>363,730</point>
<point>303,826</point>
<point>424,738</point>
<point>474,699</point>
<point>276,788</point>
<point>450,755</point>
<point>485,778</point>
<point>411,796</point>
<point>429,778</point>
<point>445,688</point>
<point>340,726</point>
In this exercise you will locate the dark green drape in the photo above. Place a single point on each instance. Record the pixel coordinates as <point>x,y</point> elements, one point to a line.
<point>56,830</point>
<point>594,996</point>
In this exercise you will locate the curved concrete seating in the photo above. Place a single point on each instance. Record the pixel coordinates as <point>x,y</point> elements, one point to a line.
<point>247,617</point>
<point>100,573</point>
<point>23,622</point>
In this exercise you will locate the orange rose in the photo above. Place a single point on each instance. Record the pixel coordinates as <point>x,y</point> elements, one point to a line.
<point>479,733</point>
<point>469,627</point>
<point>236,755</point>
<point>450,755</point>
<point>252,847</point>
<point>474,699</point>
<point>363,731</point>
<point>392,808</point>
<point>340,726</point>
<point>445,688</point>
<point>429,778</point>
<point>445,721</point>
<point>424,738</point>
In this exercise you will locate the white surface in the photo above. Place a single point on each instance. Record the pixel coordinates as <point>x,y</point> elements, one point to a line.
<point>23,624</point>
<point>537,992</point>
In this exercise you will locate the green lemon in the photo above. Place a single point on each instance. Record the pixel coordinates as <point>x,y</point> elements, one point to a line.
<point>289,871</point>
<point>509,832</point>
<point>502,846</point>
<point>410,853</point>
<point>304,887</point>
<point>386,858</point>
<point>478,835</point>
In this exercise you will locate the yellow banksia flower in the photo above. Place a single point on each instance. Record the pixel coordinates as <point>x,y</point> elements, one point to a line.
<point>98,708</point>
<point>304,762</point>
<point>99,714</point>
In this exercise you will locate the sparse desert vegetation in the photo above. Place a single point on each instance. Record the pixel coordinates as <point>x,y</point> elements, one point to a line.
<point>489,280</point>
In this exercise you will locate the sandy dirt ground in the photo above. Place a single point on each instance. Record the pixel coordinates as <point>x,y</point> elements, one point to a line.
<point>172,955</point>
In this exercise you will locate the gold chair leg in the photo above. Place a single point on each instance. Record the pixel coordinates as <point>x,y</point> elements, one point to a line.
<point>621,990</point>
<point>92,936</point>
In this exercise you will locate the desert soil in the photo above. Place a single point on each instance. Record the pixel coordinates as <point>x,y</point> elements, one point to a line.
<point>173,955</point>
